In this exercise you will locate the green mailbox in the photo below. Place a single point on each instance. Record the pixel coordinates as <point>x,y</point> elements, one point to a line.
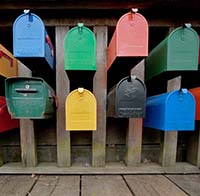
<point>29,98</point>
<point>177,52</point>
<point>80,49</point>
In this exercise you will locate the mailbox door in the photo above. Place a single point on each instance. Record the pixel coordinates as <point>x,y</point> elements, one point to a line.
<point>8,64</point>
<point>26,97</point>
<point>196,93</point>
<point>132,35</point>
<point>28,36</point>
<point>130,98</point>
<point>130,38</point>
<point>80,107</point>
<point>183,49</point>
<point>80,49</point>
<point>6,123</point>
<point>180,111</point>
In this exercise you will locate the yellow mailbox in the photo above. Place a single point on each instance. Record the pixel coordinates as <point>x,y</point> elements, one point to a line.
<point>80,108</point>
<point>8,64</point>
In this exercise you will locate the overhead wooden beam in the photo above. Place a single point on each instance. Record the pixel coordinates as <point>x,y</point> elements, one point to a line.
<point>112,4</point>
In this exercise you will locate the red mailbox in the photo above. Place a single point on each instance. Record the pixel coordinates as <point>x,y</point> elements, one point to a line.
<point>130,38</point>
<point>6,123</point>
<point>196,94</point>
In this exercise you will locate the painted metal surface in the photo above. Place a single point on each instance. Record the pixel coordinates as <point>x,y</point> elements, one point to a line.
<point>127,99</point>
<point>29,98</point>
<point>177,52</point>
<point>8,64</point>
<point>31,40</point>
<point>80,110</point>
<point>130,38</point>
<point>6,122</point>
<point>80,49</point>
<point>196,93</point>
<point>172,111</point>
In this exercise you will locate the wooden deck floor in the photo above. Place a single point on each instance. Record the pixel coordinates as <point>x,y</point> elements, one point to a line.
<point>100,185</point>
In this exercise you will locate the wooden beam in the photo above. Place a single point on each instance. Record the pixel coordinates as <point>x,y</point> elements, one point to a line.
<point>169,138</point>
<point>135,126</point>
<point>62,89</point>
<point>99,89</point>
<point>27,134</point>
<point>61,5</point>
<point>193,147</point>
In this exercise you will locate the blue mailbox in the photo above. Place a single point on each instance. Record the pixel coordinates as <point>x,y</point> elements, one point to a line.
<point>173,111</point>
<point>30,39</point>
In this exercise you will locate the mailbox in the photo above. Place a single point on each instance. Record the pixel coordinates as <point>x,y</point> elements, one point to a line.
<point>31,40</point>
<point>172,111</point>
<point>177,52</point>
<point>80,108</point>
<point>196,93</point>
<point>80,49</point>
<point>6,123</point>
<point>130,38</point>
<point>127,99</point>
<point>29,98</point>
<point>8,64</point>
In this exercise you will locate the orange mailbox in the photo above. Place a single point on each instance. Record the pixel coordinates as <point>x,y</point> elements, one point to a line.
<point>8,64</point>
<point>80,108</point>
<point>196,93</point>
<point>130,38</point>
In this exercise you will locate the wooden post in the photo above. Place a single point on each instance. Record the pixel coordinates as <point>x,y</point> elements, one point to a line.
<point>169,138</point>
<point>135,125</point>
<point>193,147</point>
<point>62,89</point>
<point>99,89</point>
<point>1,155</point>
<point>27,134</point>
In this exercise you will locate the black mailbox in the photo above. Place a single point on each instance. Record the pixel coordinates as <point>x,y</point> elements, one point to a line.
<point>127,99</point>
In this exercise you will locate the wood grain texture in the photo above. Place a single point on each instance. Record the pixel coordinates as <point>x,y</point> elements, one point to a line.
<point>99,90</point>
<point>135,127</point>
<point>67,186</point>
<point>27,133</point>
<point>156,185</point>
<point>62,90</point>
<point>189,183</point>
<point>193,147</point>
<point>16,185</point>
<point>44,186</point>
<point>104,185</point>
<point>169,138</point>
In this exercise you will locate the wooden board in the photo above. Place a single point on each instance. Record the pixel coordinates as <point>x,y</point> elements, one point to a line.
<point>99,90</point>
<point>27,133</point>
<point>193,147</point>
<point>134,131</point>
<point>169,139</point>
<point>62,90</point>
<point>156,185</point>
<point>67,186</point>
<point>104,186</point>
<point>189,183</point>
<point>16,185</point>
<point>45,186</point>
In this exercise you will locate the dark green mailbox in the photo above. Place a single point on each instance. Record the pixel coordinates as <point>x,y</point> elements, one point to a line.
<point>29,98</point>
<point>127,99</point>
<point>177,52</point>
<point>80,49</point>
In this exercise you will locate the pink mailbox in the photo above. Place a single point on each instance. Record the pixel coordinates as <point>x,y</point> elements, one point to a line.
<point>130,38</point>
